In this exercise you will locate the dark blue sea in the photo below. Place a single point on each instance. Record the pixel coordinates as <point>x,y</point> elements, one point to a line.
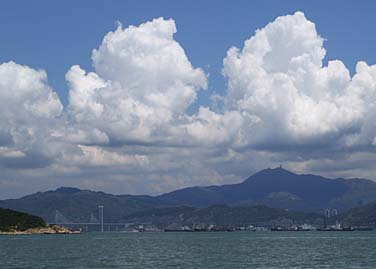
<point>191,250</point>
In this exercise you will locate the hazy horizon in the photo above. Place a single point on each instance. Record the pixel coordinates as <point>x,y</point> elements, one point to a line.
<point>172,190</point>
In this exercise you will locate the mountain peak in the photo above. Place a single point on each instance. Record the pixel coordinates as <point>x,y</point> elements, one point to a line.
<point>67,190</point>
<point>275,171</point>
<point>281,169</point>
<point>270,175</point>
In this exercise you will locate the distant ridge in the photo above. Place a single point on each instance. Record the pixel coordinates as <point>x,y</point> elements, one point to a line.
<point>281,188</point>
<point>79,205</point>
<point>67,190</point>
<point>274,188</point>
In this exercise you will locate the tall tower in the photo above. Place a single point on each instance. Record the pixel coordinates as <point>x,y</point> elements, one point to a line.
<point>100,207</point>
<point>327,213</point>
<point>334,212</point>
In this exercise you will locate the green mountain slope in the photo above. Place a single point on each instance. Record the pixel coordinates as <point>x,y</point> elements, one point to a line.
<point>223,215</point>
<point>14,220</point>
<point>360,216</point>
<point>282,189</point>
<point>66,205</point>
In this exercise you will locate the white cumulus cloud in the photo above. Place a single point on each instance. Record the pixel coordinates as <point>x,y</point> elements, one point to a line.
<point>28,108</point>
<point>278,78</point>
<point>126,123</point>
<point>142,84</point>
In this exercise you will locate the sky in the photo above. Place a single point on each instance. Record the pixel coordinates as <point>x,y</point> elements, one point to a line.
<point>144,97</point>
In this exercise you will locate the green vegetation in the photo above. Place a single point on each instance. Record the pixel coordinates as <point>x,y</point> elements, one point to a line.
<point>222,215</point>
<point>14,220</point>
<point>360,216</point>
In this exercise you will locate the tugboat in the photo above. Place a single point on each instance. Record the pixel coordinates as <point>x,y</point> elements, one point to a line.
<point>303,228</point>
<point>278,229</point>
<point>336,228</point>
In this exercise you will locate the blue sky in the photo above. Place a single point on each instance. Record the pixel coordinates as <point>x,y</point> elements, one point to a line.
<point>55,35</point>
<point>300,92</point>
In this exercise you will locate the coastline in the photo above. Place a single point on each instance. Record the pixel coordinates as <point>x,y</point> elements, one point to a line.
<point>42,230</point>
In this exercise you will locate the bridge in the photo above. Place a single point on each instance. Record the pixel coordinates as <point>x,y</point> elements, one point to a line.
<point>94,223</point>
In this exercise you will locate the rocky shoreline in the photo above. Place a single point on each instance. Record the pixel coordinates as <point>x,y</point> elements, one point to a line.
<point>42,230</point>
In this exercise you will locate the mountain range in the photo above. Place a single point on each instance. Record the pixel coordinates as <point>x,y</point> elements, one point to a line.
<point>281,188</point>
<point>74,205</point>
<point>273,188</point>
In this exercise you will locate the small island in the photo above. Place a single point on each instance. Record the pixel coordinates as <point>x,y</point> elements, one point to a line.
<point>17,223</point>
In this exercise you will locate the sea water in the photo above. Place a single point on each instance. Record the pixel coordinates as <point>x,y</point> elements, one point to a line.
<point>191,250</point>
